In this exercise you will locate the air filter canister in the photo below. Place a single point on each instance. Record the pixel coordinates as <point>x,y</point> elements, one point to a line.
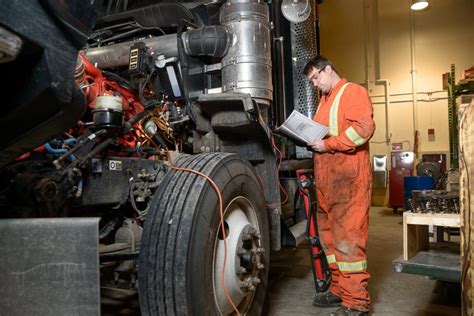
<point>247,65</point>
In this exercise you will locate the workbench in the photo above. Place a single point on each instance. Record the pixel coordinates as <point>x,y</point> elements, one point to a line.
<point>440,260</point>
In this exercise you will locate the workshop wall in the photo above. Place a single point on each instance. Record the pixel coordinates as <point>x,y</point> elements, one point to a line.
<point>370,40</point>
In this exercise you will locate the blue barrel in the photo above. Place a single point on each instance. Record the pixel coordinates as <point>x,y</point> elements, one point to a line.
<point>415,183</point>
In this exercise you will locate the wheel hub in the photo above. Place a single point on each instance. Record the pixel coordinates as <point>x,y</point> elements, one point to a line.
<point>244,252</point>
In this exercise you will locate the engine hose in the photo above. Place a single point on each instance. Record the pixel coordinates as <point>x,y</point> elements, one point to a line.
<point>121,81</point>
<point>59,151</point>
<point>56,151</point>
<point>81,161</point>
<point>70,141</point>
<point>90,68</point>
<point>146,150</point>
<point>97,149</point>
<point>160,140</point>
<point>80,144</point>
<point>127,126</point>
<point>211,41</point>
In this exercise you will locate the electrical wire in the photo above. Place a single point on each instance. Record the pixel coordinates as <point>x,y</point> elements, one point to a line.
<point>280,157</point>
<point>144,134</point>
<point>221,212</point>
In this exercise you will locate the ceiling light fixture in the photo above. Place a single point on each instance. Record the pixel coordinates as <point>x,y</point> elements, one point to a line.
<point>418,5</point>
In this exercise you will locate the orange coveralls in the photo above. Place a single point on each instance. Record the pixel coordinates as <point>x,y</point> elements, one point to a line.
<point>343,186</point>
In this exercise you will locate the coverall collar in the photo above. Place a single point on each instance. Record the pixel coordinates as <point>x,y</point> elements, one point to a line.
<point>336,87</point>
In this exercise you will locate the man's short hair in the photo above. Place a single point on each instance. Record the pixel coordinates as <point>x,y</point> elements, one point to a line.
<point>319,62</point>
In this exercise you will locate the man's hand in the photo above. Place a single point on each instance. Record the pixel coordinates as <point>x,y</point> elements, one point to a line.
<point>317,146</point>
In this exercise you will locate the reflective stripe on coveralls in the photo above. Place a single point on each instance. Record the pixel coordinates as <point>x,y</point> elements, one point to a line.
<point>352,266</point>
<point>333,129</point>
<point>354,136</point>
<point>333,126</point>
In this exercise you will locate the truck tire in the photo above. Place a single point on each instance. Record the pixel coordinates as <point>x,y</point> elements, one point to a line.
<point>181,258</point>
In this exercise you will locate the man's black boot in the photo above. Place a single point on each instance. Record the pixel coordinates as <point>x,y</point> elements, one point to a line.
<point>326,299</point>
<point>346,311</point>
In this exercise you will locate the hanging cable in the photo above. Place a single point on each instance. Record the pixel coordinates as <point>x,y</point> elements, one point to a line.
<point>221,212</point>
<point>280,157</point>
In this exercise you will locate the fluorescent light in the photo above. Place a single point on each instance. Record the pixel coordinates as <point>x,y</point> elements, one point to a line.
<point>419,5</point>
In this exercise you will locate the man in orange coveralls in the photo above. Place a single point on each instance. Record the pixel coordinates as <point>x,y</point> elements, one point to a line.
<point>343,185</point>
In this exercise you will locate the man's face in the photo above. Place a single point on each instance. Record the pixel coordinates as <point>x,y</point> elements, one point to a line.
<point>320,79</point>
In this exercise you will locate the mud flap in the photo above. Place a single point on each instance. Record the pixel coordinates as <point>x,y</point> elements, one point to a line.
<point>49,266</point>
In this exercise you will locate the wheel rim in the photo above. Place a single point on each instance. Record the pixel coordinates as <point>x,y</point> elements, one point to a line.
<point>244,257</point>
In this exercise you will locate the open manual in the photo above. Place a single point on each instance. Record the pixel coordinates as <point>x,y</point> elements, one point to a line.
<point>302,129</point>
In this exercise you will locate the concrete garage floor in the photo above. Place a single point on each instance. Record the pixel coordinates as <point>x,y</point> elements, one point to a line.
<point>291,285</point>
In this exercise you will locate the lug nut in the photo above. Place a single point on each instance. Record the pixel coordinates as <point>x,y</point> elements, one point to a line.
<point>260,266</point>
<point>246,237</point>
<point>251,231</point>
<point>251,288</point>
<point>241,270</point>
<point>260,250</point>
<point>255,281</point>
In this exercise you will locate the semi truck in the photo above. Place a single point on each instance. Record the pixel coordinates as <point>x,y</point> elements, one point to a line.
<point>138,151</point>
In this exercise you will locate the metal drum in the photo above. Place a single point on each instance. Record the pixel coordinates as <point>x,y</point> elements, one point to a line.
<point>247,66</point>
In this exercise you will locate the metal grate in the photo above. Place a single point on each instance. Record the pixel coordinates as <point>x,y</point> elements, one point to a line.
<point>304,47</point>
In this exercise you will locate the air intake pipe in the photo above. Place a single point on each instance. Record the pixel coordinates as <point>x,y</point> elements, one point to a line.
<point>207,41</point>
<point>210,41</point>
<point>117,55</point>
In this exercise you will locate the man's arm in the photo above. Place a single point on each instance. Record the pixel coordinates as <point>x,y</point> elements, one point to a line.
<point>358,111</point>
